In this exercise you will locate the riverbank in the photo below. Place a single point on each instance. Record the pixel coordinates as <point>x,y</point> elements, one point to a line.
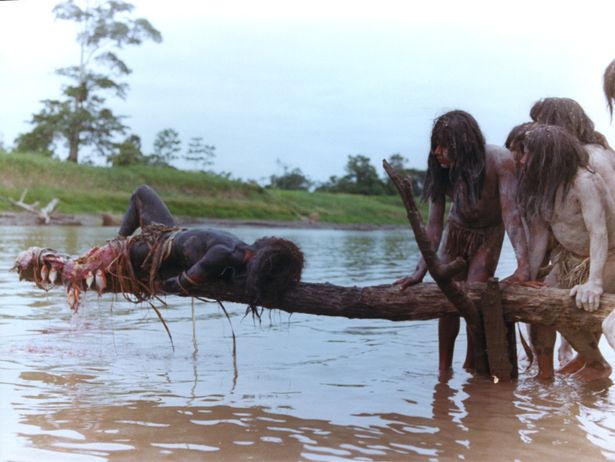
<point>89,190</point>
<point>28,219</point>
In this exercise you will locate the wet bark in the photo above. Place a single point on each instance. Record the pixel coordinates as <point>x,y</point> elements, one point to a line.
<point>500,337</point>
<point>553,307</point>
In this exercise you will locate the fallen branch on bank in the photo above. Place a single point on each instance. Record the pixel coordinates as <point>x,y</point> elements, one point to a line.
<point>44,214</point>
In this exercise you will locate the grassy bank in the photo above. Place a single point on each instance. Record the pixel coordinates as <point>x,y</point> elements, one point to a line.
<point>88,189</point>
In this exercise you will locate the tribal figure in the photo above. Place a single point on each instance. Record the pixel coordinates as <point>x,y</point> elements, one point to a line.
<point>480,180</point>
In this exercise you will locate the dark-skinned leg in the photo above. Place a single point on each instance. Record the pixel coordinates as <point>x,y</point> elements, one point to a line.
<point>448,329</point>
<point>575,363</point>
<point>145,208</point>
<point>586,343</point>
<point>543,342</point>
<point>543,337</point>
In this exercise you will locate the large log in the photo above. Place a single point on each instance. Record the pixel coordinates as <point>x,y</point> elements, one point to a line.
<point>553,307</point>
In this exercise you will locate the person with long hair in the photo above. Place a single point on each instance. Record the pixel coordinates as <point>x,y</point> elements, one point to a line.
<point>480,180</point>
<point>568,113</point>
<point>560,192</point>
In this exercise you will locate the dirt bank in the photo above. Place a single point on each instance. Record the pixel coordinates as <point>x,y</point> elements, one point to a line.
<point>27,219</point>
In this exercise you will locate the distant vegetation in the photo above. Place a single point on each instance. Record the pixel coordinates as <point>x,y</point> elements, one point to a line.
<point>90,189</point>
<point>81,124</point>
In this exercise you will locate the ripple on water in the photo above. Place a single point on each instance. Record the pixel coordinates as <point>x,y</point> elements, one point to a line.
<point>106,383</point>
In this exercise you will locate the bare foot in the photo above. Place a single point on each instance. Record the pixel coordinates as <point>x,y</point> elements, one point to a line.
<point>594,372</point>
<point>573,366</point>
<point>544,376</point>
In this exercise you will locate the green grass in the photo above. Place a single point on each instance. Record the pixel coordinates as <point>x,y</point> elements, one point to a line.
<point>89,189</point>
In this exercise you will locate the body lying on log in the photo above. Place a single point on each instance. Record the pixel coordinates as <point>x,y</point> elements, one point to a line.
<point>166,259</point>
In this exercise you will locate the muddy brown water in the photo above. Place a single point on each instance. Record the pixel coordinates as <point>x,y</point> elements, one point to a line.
<point>106,384</point>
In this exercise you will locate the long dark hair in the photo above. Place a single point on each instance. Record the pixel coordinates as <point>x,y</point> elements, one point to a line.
<point>609,86</point>
<point>514,140</point>
<point>553,158</point>
<point>567,113</point>
<point>459,132</point>
<point>275,268</point>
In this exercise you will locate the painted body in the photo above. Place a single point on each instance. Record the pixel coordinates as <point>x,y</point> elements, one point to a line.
<point>492,211</point>
<point>581,217</point>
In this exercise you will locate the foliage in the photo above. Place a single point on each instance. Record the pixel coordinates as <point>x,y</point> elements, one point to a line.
<point>3,148</point>
<point>81,117</point>
<point>166,147</point>
<point>361,178</point>
<point>199,154</point>
<point>38,141</point>
<point>290,179</point>
<point>398,162</point>
<point>90,189</point>
<point>128,153</point>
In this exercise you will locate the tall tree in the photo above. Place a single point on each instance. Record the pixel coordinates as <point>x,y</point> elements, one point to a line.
<point>362,174</point>
<point>291,179</point>
<point>361,178</point>
<point>128,152</point>
<point>81,118</point>
<point>199,154</point>
<point>166,147</point>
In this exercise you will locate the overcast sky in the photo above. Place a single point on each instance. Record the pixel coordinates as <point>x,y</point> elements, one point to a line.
<point>311,82</point>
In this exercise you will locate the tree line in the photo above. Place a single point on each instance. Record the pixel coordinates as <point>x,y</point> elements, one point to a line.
<point>360,177</point>
<point>81,120</point>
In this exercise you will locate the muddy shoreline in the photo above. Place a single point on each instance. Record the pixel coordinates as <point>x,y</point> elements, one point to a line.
<point>27,219</point>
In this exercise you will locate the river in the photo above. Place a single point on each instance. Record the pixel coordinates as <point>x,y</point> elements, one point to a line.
<point>106,384</point>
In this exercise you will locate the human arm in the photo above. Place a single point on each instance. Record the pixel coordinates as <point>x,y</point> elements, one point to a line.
<point>212,265</point>
<point>591,195</point>
<point>435,225</point>
<point>512,220</point>
<point>538,244</point>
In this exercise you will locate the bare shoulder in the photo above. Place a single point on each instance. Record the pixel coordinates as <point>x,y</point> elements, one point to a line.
<point>599,156</point>
<point>598,149</point>
<point>587,180</point>
<point>500,157</point>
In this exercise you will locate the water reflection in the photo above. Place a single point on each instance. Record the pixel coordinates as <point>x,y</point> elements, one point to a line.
<point>474,421</point>
<point>105,384</point>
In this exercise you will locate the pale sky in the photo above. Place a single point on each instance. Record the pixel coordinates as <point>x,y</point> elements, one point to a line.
<point>311,82</point>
